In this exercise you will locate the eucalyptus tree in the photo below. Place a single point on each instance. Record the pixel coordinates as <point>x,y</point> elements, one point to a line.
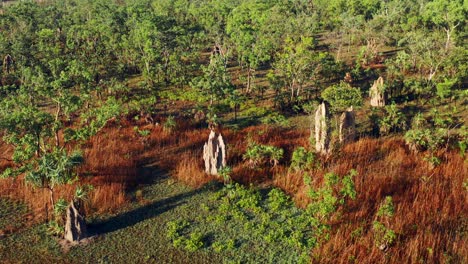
<point>215,83</point>
<point>427,52</point>
<point>448,15</point>
<point>32,130</point>
<point>212,17</point>
<point>342,96</point>
<point>296,64</point>
<point>53,85</point>
<point>245,28</point>
<point>145,47</point>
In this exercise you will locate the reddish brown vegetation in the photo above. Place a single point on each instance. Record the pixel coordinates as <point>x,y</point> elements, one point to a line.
<point>431,211</point>
<point>430,206</point>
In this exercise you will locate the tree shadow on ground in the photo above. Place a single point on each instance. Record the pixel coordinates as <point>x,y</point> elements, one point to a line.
<point>133,217</point>
<point>154,209</point>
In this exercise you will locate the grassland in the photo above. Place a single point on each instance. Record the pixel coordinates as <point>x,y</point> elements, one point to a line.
<point>145,231</point>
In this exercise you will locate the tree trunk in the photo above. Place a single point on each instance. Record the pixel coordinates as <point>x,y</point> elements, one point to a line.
<point>38,146</point>
<point>292,85</point>
<point>449,30</point>
<point>235,112</point>
<point>248,79</point>
<point>56,132</point>
<point>51,193</point>
<point>447,43</point>
<point>298,91</point>
<point>292,93</point>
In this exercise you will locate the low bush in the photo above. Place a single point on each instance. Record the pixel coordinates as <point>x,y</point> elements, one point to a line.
<point>259,155</point>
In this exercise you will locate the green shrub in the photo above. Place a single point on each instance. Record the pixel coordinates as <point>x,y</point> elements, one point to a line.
<point>194,242</point>
<point>170,124</point>
<point>277,199</point>
<point>444,89</point>
<point>462,141</point>
<point>225,174</point>
<point>191,242</point>
<point>393,121</point>
<point>258,155</point>
<point>384,237</point>
<point>386,208</point>
<point>219,246</point>
<point>334,192</point>
<point>303,160</point>
<point>55,229</point>
<point>275,118</point>
<point>175,227</point>
<point>256,111</point>
<point>342,96</point>
<point>424,139</point>
<point>142,133</point>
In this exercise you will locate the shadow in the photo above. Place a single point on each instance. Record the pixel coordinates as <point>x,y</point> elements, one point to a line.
<point>137,215</point>
<point>151,174</point>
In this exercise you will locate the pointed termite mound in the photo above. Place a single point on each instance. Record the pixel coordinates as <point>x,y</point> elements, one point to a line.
<point>214,154</point>
<point>322,130</point>
<point>377,93</point>
<point>75,225</point>
<point>347,126</point>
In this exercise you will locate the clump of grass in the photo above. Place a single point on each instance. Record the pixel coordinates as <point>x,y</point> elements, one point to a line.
<point>189,171</point>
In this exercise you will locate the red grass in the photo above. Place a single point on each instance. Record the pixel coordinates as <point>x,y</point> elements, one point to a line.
<point>189,171</point>
<point>430,206</point>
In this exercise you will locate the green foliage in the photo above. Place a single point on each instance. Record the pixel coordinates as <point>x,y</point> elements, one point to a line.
<point>258,155</point>
<point>303,160</point>
<point>444,89</point>
<point>219,246</point>
<point>60,208</point>
<point>269,219</point>
<point>342,96</point>
<point>170,124</point>
<point>94,120</point>
<point>256,111</point>
<point>82,192</point>
<point>54,228</point>
<point>174,228</point>
<point>278,200</point>
<point>384,237</point>
<point>225,174</point>
<point>423,139</point>
<point>386,208</point>
<point>215,83</point>
<point>276,119</point>
<point>431,134</point>
<point>142,133</point>
<point>194,242</point>
<point>334,192</point>
<point>463,141</point>
<point>177,232</point>
<point>54,168</point>
<point>394,120</point>
<point>295,64</point>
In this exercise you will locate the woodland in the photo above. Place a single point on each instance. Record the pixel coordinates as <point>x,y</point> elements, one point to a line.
<point>233,131</point>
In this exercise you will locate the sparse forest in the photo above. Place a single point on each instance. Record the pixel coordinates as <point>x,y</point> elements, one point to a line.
<point>233,131</point>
